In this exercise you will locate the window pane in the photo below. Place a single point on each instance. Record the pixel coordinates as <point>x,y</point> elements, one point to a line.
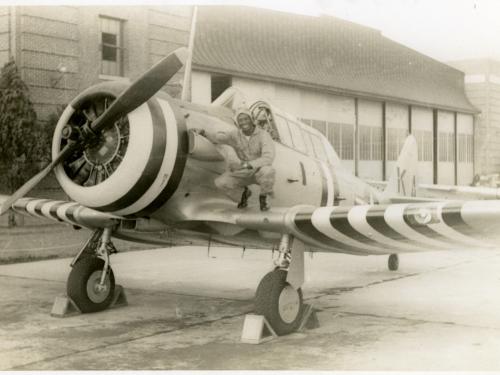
<point>318,147</point>
<point>298,142</point>
<point>283,131</point>
<point>111,52</point>
<point>347,142</point>
<point>308,142</point>
<point>319,125</point>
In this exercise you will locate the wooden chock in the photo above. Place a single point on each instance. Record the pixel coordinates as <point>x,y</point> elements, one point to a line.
<point>119,297</point>
<point>309,319</point>
<point>63,307</point>
<point>256,330</point>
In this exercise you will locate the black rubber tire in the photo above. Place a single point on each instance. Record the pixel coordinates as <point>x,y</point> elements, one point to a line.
<point>76,286</point>
<point>267,300</point>
<point>393,262</point>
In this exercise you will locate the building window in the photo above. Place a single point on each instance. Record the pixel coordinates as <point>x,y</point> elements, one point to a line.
<point>219,84</point>
<point>395,140</point>
<point>370,143</point>
<point>341,136</point>
<point>111,46</point>
<point>465,148</point>
<point>446,147</point>
<point>424,144</point>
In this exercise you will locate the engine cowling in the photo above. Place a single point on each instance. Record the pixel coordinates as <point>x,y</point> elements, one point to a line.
<point>135,164</point>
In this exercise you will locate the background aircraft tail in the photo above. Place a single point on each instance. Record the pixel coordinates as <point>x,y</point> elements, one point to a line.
<point>402,181</point>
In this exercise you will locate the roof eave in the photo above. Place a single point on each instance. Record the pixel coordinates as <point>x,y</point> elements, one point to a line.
<point>334,90</point>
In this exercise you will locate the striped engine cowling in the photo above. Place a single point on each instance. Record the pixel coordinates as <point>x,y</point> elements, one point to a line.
<point>152,154</point>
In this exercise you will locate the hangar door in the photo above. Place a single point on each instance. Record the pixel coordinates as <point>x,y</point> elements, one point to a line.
<point>340,128</point>
<point>465,148</point>
<point>397,128</point>
<point>446,148</point>
<point>421,128</point>
<point>370,140</point>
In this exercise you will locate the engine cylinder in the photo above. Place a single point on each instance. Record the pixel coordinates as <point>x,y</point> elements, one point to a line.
<point>134,165</point>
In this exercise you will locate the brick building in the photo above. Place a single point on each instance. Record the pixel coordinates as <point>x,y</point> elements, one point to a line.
<point>61,50</point>
<point>482,86</point>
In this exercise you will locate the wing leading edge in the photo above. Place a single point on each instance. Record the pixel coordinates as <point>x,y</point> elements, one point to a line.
<point>64,211</point>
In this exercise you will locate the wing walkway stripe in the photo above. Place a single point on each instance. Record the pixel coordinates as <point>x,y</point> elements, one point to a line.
<point>358,217</point>
<point>321,220</point>
<point>304,224</point>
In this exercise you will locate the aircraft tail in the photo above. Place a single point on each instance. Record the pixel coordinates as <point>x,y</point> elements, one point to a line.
<point>402,182</point>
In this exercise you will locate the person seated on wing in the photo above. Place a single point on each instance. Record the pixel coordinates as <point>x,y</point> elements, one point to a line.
<point>255,149</point>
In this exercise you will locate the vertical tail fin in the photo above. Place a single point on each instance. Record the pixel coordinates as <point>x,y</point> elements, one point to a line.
<point>403,177</point>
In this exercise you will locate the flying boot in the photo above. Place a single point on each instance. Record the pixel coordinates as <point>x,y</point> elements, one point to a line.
<point>264,206</point>
<point>244,197</point>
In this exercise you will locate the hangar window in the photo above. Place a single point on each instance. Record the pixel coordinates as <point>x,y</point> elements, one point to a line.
<point>446,147</point>
<point>319,125</point>
<point>347,142</point>
<point>111,46</point>
<point>424,144</point>
<point>370,142</point>
<point>395,140</point>
<point>335,136</point>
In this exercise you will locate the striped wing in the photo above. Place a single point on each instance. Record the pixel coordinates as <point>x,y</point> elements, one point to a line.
<point>63,211</point>
<point>386,229</point>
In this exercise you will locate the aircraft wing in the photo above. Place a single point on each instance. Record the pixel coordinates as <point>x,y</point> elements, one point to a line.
<point>383,229</point>
<point>63,211</point>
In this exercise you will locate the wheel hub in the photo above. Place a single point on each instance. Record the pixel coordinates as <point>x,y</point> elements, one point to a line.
<point>96,292</point>
<point>289,304</point>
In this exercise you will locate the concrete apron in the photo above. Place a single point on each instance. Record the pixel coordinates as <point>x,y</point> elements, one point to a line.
<point>186,310</point>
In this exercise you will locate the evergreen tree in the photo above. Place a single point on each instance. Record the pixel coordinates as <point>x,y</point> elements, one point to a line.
<point>20,142</point>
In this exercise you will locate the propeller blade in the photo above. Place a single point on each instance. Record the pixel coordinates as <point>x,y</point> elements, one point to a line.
<point>143,88</point>
<point>137,93</point>
<point>35,180</point>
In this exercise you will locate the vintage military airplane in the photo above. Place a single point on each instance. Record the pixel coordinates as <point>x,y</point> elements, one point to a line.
<point>127,157</point>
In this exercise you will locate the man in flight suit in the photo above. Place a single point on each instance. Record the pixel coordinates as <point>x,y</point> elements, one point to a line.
<point>255,149</point>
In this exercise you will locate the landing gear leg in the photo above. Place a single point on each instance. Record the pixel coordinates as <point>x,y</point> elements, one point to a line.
<point>279,295</point>
<point>91,282</point>
<point>393,262</point>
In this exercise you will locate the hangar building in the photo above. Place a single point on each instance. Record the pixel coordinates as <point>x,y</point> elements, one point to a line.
<point>362,90</point>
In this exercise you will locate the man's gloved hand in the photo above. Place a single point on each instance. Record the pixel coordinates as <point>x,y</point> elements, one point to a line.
<point>246,165</point>
<point>242,165</point>
<point>198,131</point>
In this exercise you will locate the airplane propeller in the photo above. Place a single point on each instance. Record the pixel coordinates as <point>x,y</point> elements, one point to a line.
<point>136,94</point>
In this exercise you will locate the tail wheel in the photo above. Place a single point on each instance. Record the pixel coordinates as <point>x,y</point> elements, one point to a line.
<point>279,302</point>
<point>84,288</point>
<point>393,262</point>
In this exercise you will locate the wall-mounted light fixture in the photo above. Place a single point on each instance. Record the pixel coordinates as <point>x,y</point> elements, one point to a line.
<point>61,70</point>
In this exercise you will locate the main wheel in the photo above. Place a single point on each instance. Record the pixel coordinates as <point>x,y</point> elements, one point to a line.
<point>393,262</point>
<point>279,302</point>
<point>83,285</point>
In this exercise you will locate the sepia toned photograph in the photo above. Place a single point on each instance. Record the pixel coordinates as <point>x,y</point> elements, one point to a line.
<point>278,186</point>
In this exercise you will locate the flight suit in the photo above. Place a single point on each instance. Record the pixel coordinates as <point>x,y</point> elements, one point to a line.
<point>258,151</point>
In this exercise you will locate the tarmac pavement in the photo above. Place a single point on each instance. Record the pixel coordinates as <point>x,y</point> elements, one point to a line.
<point>186,311</point>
